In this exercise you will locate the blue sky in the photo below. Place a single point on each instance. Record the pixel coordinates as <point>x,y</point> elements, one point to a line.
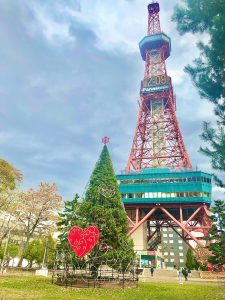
<point>70,74</point>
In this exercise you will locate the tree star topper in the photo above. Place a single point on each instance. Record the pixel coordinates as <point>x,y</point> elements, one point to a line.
<point>105,140</point>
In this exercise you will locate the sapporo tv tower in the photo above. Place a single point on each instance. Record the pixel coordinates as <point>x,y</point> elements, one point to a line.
<point>159,187</point>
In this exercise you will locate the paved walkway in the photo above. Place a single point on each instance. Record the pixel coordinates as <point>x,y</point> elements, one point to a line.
<point>162,279</point>
<point>170,276</point>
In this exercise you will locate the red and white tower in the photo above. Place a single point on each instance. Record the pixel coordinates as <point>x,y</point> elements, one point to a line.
<point>158,141</point>
<point>163,191</point>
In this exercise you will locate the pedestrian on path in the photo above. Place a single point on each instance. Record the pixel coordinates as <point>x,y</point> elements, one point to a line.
<point>152,271</point>
<point>185,273</point>
<point>179,274</point>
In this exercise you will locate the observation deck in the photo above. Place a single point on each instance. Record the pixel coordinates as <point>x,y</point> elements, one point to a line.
<point>165,186</point>
<point>155,41</point>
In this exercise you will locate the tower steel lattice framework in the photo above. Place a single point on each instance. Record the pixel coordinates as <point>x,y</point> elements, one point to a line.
<point>158,142</point>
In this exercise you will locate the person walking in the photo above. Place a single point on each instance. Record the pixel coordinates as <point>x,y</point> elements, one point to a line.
<point>179,274</point>
<point>185,273</point>
<point>152,270</point>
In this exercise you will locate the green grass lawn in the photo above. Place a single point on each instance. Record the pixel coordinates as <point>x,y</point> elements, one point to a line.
<point>30,287</point>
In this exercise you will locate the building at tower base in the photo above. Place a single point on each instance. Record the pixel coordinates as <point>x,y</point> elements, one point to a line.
<point>156,199</point>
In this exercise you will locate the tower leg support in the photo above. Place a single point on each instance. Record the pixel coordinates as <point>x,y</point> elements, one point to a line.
<point>192,219</point>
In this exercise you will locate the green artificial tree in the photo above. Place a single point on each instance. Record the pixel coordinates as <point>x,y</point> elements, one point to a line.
<point>103,208</point>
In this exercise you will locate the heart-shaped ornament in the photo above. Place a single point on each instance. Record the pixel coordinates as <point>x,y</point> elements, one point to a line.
<point>82,241</point>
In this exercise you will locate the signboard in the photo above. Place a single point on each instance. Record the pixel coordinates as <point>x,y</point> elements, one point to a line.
<point>42,272</point>
<point>155,84</point>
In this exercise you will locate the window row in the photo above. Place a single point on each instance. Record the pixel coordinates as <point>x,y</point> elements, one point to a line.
<point>167,195</point>
<point>170,229</point>
<point>166,180</point>
<point>172,260</point>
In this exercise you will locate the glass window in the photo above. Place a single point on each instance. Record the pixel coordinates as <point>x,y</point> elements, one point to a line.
<point>166,242</point>
<point>181,260</point>
<point>146,195</point>
<point>171,235</point>
<point>171,241</point>
<point>181,254</point>
<point>163,195</point>
<point>179,229</point>
<point>166,259</point>
<point>173,195</point>
<point>150,195</point>
<point>165,253</point>
<point>179,242</point>
<point>164,228</point>
<point>172,253</point>
<point>159,195</point>
<point>155,195</point>
<point>164,234</point>
<point>172,259</point>
<point>181,247</point>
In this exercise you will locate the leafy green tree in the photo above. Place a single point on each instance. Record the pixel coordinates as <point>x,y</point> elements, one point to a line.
<point>216,152</point>
<point>192,262</point>
<point>199,16</point>
<point>68,218</point>
<point>207,72</point>
<point>51,248</point>
<point>9,177</point>
<point>217,234</point>
<point>34,252</point>
<point>11,252</point>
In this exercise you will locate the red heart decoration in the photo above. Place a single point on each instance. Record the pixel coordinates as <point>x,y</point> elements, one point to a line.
<point>83,241</point>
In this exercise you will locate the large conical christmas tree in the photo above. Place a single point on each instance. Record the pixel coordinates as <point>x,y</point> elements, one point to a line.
<point>103,208</point>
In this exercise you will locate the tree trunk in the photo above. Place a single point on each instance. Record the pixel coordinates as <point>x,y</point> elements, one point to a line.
<point>23,250</point>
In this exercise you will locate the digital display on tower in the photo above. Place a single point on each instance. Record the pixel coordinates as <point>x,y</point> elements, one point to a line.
<point>155,84</point>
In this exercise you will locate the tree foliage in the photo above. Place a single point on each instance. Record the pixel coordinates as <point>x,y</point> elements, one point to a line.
<point>38,212</point>
<point>217,234</point>
<point>9,181</point>
<point>192,262</point>
<point>199,16</point>
<point>35,250</point>
<point>207,71</point>
<point>102,207</point>
<point>9,176</point>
